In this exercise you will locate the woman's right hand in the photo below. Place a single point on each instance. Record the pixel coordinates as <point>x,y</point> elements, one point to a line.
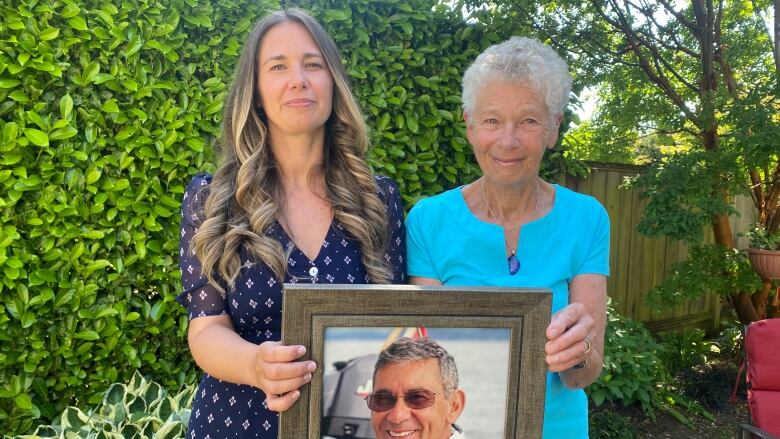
<point>269,366</point>
<point>278,374</point>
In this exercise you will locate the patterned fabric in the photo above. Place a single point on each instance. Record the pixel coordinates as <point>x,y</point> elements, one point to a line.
<point>227,410</point>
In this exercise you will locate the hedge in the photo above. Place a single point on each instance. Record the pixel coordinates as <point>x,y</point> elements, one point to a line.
<point>107,109</point>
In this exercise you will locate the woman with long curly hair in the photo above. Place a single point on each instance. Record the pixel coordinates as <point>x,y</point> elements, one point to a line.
<point>292,201</point>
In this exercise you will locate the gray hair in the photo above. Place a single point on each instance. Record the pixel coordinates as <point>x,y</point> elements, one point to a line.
<point>520,61</point>
<point>405,350</point>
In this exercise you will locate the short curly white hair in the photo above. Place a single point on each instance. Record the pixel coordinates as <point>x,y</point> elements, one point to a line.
<point>525,62</point>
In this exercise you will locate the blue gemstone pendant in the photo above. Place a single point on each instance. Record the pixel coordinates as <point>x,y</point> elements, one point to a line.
<point>514,264</point>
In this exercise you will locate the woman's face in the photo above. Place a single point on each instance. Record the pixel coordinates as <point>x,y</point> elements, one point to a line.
<point>294,83</point>
<point>510,128</point>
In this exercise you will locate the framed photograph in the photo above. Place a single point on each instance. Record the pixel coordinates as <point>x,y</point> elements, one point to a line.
<point>495,335</point>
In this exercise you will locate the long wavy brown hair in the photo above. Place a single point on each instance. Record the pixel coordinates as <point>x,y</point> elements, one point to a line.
<point>243,197</point>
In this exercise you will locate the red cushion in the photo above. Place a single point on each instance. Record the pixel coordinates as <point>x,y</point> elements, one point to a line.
<point>762,346</point>
<point>765,409</point>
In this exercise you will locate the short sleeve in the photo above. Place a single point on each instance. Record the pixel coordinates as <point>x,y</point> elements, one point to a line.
<point>198,295</point>
<point>396,247</point>
<point>596,260</point>
<point>419,262</point>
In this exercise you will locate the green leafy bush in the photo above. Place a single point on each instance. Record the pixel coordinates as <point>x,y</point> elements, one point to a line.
<point>760,238</point>
<point>632,370</point>
<point>730,340</point>
<point>106,109</point>
<point>606,424</point>
<point>686,349</point>
<point>708,268</point>
<point>138,409</point>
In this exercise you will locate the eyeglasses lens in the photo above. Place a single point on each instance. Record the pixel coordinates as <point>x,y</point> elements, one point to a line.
<point>384,401</point>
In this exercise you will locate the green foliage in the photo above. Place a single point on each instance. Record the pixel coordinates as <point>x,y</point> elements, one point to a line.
<point>708,268</point>
<point>634,372</point>
<point>106,109</point>
<point>730,340</point>
<point>761,239</point>
<point>686,349</point>
<point>138,409</point>
<point>632,368</point>
<point>606,424</point>
<point>680,192</point>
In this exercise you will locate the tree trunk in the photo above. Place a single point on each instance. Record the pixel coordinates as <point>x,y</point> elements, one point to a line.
<point>760,299</point>
<point>746,312</point>
<point>773,311</point>
<point>721,227</point>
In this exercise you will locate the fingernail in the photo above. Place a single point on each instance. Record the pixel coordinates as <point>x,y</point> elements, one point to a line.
<point>307,377</point>
<point>311,367</point>
<point>295,395</point>
<point>301,350</point>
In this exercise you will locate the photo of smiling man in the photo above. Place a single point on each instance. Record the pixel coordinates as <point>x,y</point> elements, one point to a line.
<point>415,392</point>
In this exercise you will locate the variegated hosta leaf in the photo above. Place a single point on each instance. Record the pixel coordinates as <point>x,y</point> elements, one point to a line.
<point>170,430</point>
<point>123,414</point>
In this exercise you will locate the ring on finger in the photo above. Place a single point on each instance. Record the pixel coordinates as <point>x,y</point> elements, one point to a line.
<point>588,345</point>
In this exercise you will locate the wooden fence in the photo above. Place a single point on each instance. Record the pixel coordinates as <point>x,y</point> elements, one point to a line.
<point>637,262</point>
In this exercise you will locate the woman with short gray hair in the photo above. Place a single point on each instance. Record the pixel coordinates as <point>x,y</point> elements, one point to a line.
<point>511,228</point>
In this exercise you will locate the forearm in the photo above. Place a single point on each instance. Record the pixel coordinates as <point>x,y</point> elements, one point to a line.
<point>223,354</point>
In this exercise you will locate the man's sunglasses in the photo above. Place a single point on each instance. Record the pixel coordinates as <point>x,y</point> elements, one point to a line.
<point>384,401</point>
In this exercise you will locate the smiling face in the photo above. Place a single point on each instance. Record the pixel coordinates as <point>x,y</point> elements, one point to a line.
<point>432,422</point>
<point>510,128</point>
<point>294,83</point>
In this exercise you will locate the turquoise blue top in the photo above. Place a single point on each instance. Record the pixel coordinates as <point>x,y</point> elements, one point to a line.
<point>445,241</point>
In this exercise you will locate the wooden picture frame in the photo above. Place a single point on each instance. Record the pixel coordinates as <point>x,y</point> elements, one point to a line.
<point>309,309</point>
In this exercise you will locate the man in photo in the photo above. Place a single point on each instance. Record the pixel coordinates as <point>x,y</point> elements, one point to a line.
<point>415,392</point>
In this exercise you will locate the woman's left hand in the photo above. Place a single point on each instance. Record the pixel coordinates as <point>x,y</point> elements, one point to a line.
<point>576,333</point>
<point>570,338</point>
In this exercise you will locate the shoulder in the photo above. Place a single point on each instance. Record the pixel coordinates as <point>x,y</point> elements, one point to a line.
<point>388,191</point>
<point>439,212</point>
<point>198,183</point>
<point>193,202</point>
<point>583,203</point>
<point>385,185</point>
<point>197,188</point>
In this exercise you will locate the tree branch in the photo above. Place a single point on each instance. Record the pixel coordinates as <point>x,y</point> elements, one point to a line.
<point>678,46</point>
<point>656,77</point>
<point>773,201</point>
<point>679,16</point>
<point>720,57</point>
<point>777,40</point>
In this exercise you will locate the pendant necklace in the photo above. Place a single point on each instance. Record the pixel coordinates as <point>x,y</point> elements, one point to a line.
<point>514,263</point>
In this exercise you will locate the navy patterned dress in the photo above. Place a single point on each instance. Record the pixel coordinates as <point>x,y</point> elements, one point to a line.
<point>225,410</point>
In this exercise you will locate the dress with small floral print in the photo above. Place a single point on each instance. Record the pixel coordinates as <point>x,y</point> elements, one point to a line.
<point>224,410</point>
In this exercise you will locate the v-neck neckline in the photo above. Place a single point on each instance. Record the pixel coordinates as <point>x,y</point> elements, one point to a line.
<point>291,242</point>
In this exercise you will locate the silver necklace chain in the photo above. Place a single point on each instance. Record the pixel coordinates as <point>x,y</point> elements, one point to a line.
<point>492,215</point>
